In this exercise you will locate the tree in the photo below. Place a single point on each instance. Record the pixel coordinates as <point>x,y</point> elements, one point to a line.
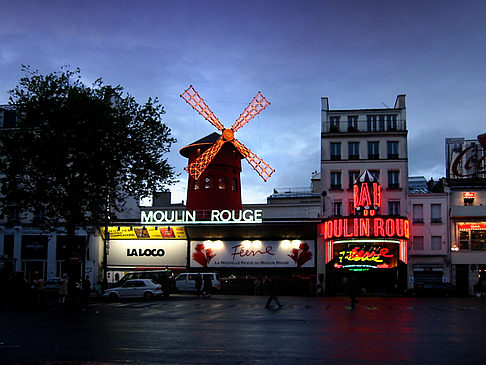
<point>78,152</point>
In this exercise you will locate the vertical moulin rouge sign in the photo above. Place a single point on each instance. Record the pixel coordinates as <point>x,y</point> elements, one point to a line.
<point>466,158</point>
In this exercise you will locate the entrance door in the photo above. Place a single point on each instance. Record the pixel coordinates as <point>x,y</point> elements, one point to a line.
<point>462,280</point>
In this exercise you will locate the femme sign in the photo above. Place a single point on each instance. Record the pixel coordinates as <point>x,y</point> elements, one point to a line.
<point>190,217</point>
<point>358,227</point>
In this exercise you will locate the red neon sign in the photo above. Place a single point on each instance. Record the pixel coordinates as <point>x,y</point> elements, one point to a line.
<point>365,227</point>
<point>469,195</point>
<point>471,226</point>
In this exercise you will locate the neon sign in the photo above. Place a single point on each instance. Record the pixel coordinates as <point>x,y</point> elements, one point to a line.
<point>365,227</point>
<point>190,217</point>
<point>363,255</point>
<point>468,195</point>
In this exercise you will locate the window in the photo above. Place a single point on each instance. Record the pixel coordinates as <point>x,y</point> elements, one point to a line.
<point>418,213</point>
<point>334,124</point>
<point>418,243</point>
<point>394,208</point>
<point>464,240</point>
<point>353,150</point>
<point>391,122</point>
<point>376,174</point>
<point>371,122</point>
<point>373,150</point>
<point>436,242</point>
<point>353,175</point>
<point>435,216</point>
<point>478,240</point>
<point>393,179</point>
<point>222,183</point>
<point>392,149</point>
<point>337,209</point>
<point>336,180</point>
<point>381,123</point>
<point>352,123</point>
<point>234,184</point>
<point>208,182</point>
<point>335,150</point>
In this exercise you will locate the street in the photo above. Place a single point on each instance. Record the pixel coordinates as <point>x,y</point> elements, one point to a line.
<point>239,330</point>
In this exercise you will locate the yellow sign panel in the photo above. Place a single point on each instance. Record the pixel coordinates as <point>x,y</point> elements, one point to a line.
<point>147,233</point>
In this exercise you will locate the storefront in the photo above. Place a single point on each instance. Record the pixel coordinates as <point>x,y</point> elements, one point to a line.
<point>144,247</point>
<point>365,245</point>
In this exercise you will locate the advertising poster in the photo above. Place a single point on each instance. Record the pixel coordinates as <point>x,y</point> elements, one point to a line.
<point>147,253</point>
<point>256,254</point>
<point>147,233</point>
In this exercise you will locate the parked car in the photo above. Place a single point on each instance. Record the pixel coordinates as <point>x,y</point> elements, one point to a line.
<point>138,288</point>
<point>51,286</point>
<point>433,290</point>
<point>163,277</point>
<point>186,282</point>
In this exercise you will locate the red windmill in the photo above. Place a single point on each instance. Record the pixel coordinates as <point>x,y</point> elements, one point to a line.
<point>206,152</point>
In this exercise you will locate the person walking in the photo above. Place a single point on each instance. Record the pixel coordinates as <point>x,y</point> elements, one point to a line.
<point>208,286</point>
<point>199,281</point>
<point>63,290</point>
<point>350,285</point>
<point>86,290</point>
<point>273,291</point>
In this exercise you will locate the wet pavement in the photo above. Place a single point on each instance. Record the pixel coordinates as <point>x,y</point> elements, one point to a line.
<point>239,330</point>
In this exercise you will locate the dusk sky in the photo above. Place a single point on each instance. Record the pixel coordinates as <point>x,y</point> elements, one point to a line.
<point>360,54</point>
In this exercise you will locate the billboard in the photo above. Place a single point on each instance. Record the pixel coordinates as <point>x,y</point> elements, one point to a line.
<point>148,253</point>
<point>364,255</point>
<point>253,254</point>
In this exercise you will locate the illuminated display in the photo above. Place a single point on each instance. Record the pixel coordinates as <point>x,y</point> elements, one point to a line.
<point>365,255</point>
<point>145,233</point>
<point>190,217</point>
<point>468,195</point>
<point>471,226</point>
<point>365,227</point>
<point>259,103</point>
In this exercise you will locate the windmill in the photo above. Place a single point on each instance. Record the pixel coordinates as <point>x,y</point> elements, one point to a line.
<point>196,168</point>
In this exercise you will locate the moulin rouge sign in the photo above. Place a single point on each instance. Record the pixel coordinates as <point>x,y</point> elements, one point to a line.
<point>365,222</point>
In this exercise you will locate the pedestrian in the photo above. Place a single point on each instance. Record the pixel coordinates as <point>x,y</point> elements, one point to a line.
<point>350,288</point>
<point>273,291</point>
<point>478,288</point>
<point>63,290</point>
<point>208,286</point>
<point>86,290</point>
<point>199,281</point>
<point>258,284</point>
<point>37,290</point>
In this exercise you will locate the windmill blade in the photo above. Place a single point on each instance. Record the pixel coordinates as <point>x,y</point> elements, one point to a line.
<point>193,99</point>
<point>256,106</point>
<point>263,169</point>
<point>196,168</point>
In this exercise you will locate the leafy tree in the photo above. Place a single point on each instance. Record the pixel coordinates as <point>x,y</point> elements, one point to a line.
<point>78,151</point>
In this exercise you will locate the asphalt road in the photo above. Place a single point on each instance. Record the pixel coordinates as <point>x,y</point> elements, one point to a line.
<point>239,330</point>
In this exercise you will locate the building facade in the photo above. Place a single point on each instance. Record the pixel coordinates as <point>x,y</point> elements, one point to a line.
<point>353,142</point>
<point>466,186</point>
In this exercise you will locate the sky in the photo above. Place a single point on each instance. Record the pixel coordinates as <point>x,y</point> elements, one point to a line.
<point>359,54</point>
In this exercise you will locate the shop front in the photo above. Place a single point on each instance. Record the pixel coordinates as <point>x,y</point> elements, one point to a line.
<point>244,255</point>
<point>371,248</point>
<point>131,248</point>
<point>374,255</point>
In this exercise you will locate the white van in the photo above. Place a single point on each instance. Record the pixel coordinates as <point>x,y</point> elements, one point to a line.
<point>187,281</point>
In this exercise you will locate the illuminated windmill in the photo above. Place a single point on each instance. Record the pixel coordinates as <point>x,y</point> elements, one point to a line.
<point>213,157</point>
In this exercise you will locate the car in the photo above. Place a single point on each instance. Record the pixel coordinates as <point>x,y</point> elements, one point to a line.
<point>433,290</point>
<point>51,286</point>
<point>163,277</point>
<point>186,282</point>
<point>137,288</point>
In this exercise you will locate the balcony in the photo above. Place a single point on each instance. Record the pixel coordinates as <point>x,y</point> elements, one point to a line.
<point>364,127</point>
